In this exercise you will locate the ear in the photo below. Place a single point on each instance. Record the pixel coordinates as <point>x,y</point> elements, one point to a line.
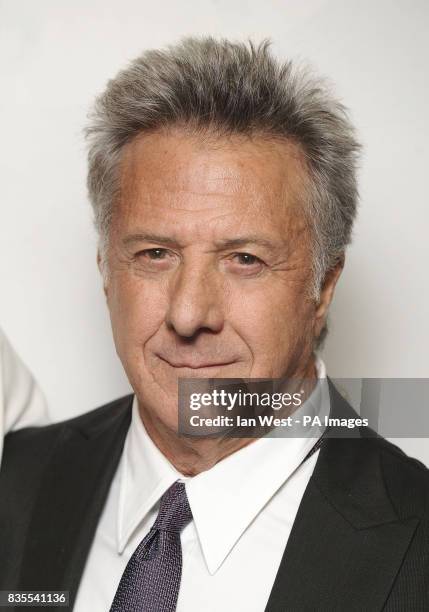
<point>326,295</point>
<point>100,268</point>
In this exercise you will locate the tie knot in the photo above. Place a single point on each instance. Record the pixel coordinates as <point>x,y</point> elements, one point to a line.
<point>174,511</point>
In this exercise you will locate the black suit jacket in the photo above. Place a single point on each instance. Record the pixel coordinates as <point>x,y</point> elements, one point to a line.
<point>360,541</point>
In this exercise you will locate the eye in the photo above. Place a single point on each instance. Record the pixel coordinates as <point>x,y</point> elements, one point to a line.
<point>247,259</point>
<point>153,254</point>
<point>245,264</point>
<point>156,259</point>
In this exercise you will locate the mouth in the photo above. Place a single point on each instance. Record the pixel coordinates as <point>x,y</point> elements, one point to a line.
<point>195,365</point>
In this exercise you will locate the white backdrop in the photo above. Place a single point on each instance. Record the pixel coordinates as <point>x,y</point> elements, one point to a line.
<point>55,56</point>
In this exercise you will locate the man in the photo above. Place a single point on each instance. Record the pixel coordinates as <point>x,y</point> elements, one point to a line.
<point>224,191</point>
<point>21,401</point>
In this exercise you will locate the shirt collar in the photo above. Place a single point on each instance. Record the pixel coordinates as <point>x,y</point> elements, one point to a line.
<point>242,483</point>
<point>145,475</point>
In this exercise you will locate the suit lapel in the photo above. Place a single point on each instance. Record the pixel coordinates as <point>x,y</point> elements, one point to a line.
<point>347,543</point>
<point>71,499</point>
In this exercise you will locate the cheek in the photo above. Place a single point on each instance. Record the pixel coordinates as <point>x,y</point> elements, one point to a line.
<point>136,310</point>
<point>272,320</point>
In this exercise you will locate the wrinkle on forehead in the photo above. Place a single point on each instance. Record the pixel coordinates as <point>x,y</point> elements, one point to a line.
<point>199,191</point>
<point>184,165</point>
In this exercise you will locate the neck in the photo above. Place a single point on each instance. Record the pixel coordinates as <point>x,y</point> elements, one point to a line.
<point>190,456</point>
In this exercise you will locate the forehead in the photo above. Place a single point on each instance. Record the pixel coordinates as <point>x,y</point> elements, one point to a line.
<point>176,176</point>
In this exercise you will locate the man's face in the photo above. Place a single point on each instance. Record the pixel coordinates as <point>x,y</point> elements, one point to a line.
<point>210,264</point>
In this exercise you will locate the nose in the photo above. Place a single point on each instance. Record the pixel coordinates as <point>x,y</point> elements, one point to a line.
<point>195,301</point>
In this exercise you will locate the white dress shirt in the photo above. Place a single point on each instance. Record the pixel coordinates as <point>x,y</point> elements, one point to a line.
<point>21,401</point>
<point>243,510</point>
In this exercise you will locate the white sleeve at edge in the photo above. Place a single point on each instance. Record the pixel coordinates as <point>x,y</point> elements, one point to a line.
<point>22,403</point>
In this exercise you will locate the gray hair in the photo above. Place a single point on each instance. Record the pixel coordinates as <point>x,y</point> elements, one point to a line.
<point>231,88</point>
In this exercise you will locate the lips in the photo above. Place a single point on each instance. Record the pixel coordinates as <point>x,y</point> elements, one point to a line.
<point>195,365</point>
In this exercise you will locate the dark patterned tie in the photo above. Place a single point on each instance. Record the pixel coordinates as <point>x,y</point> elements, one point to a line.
<point>151,580</point>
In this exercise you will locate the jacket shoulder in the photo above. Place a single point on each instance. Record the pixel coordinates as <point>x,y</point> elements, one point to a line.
<point>32,446</point>
<point>372,462</point>
<point>398,455</point>
<point>87,420</point>
<point>406,480</point>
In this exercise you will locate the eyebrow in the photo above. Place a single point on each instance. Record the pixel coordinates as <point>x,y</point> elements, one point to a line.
<point>149,237</point>
<point>228,243</point>
<point>233,243</point>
